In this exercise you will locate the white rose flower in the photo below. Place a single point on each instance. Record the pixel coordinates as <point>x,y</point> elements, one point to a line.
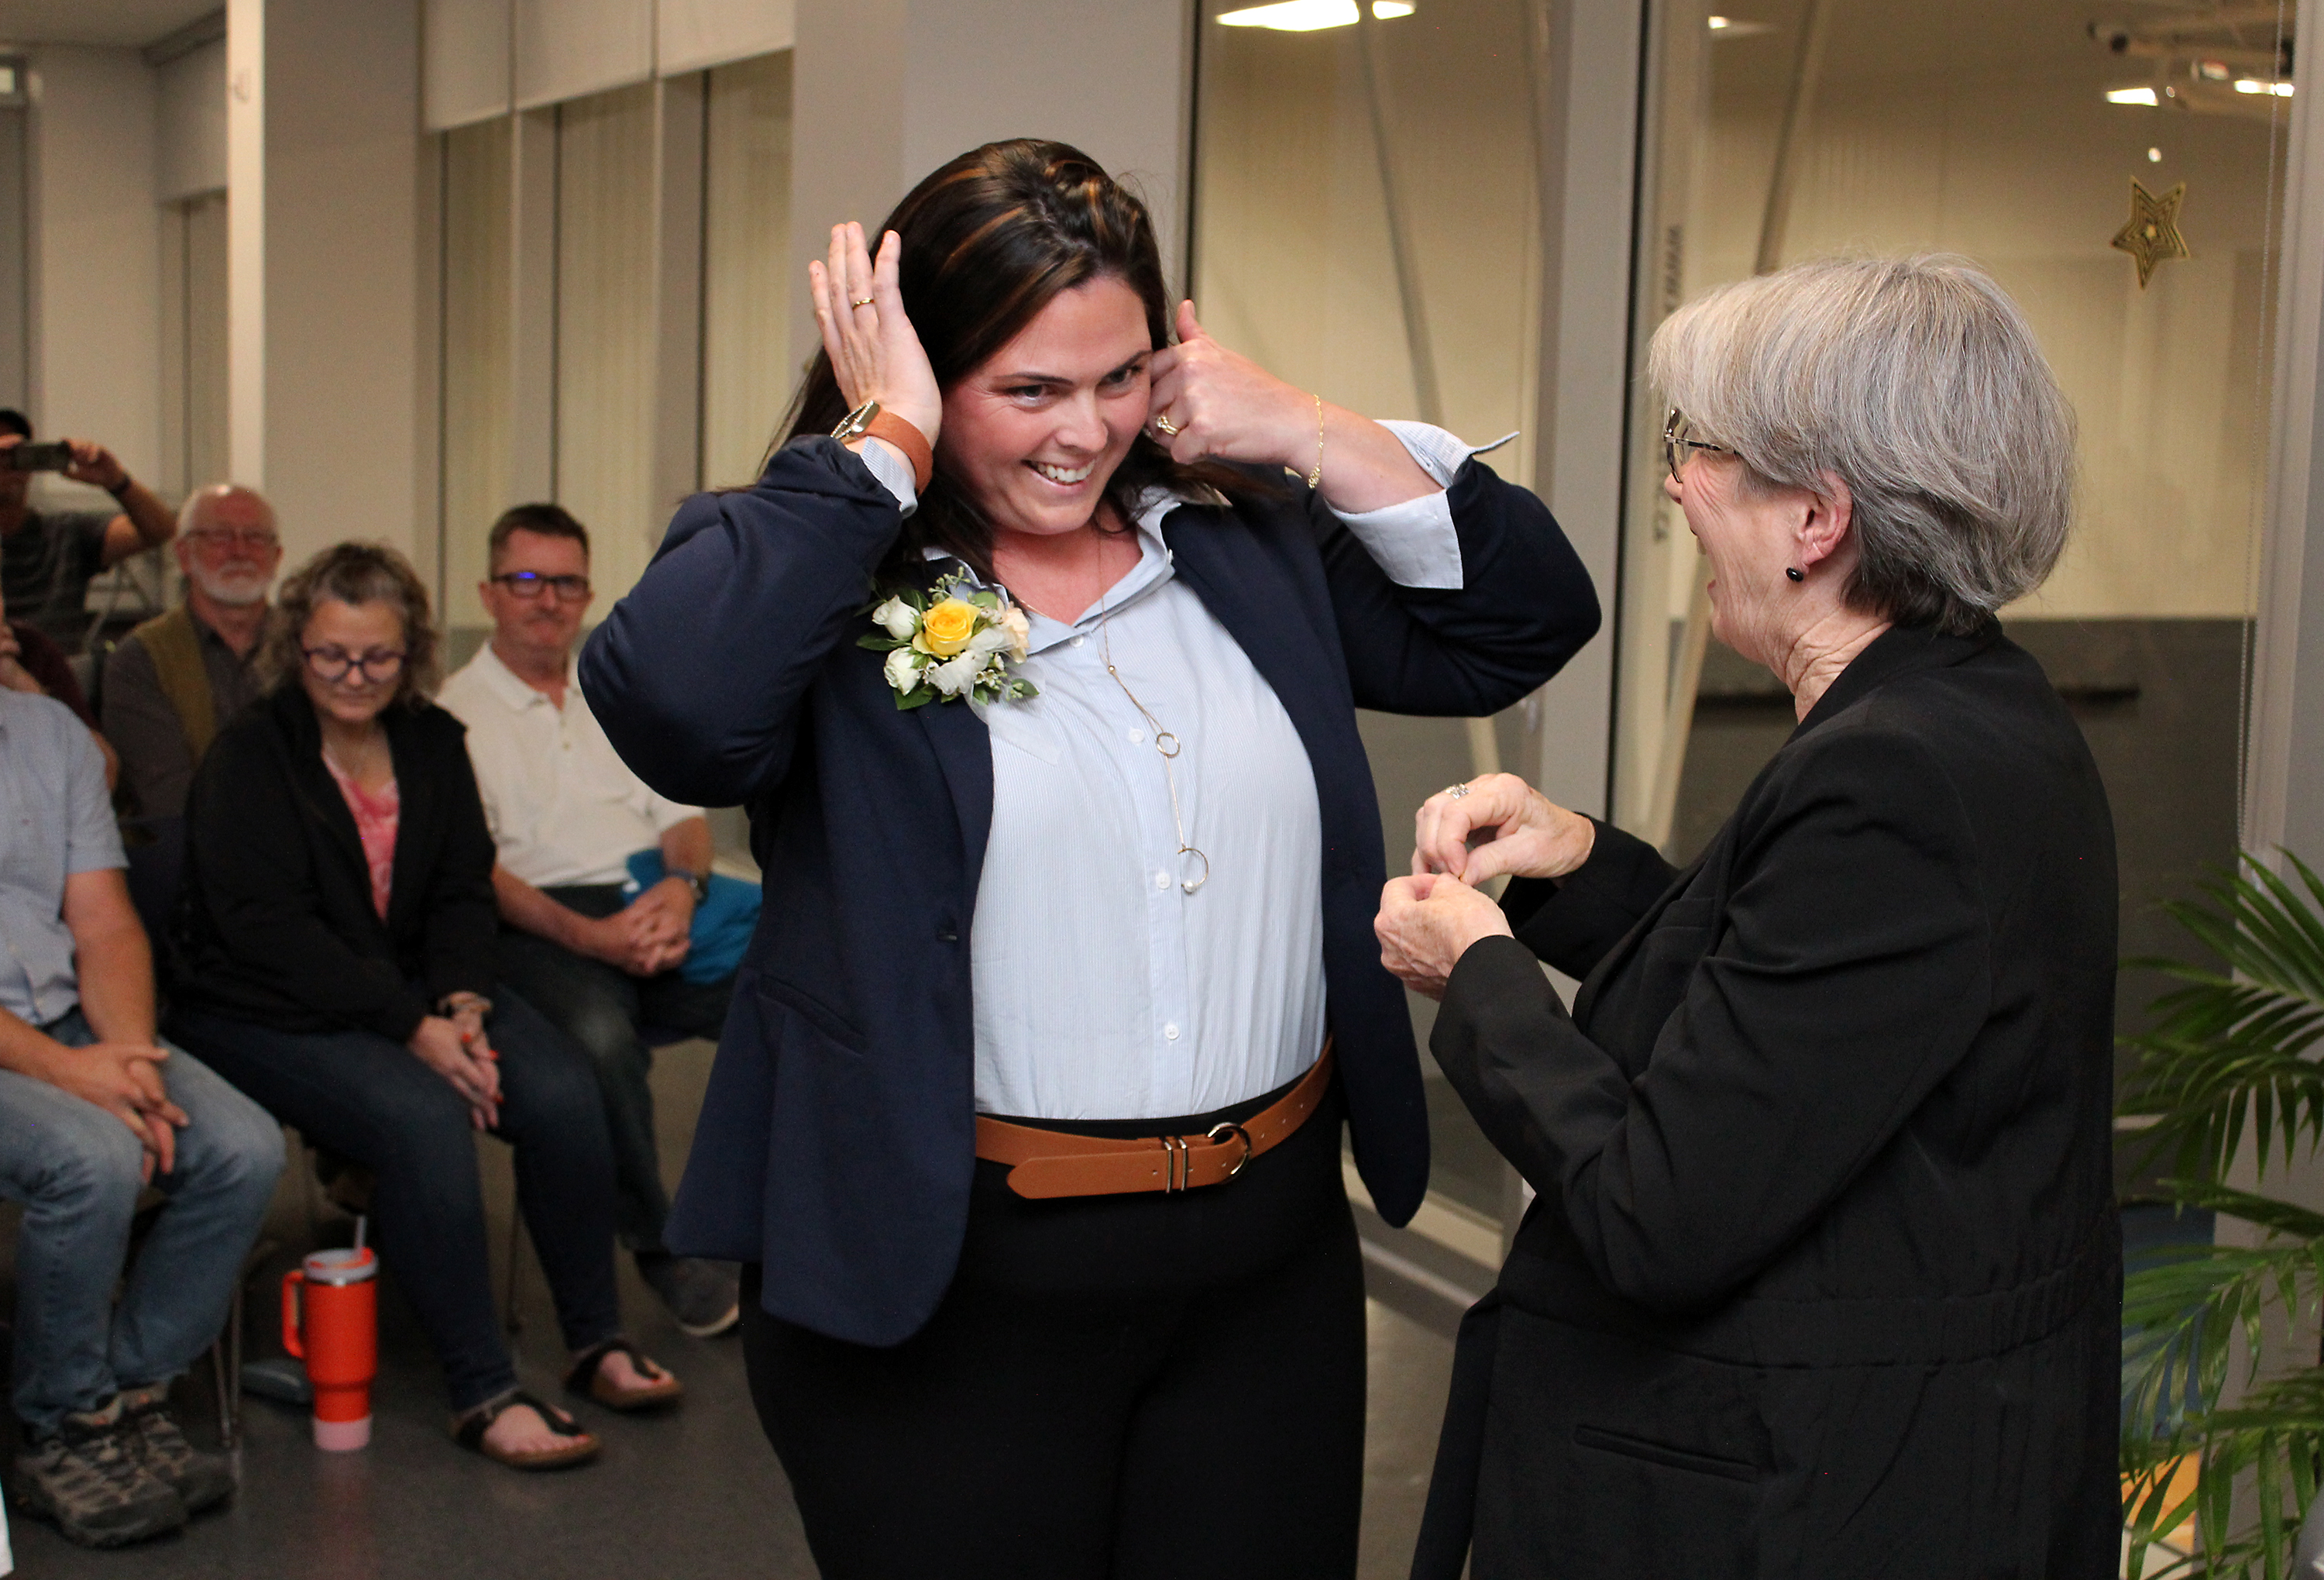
<point>1020,631</point>
<point>903,670</point>
<point>954,675</point>
<point>896,617</point>
<point>992,638</point>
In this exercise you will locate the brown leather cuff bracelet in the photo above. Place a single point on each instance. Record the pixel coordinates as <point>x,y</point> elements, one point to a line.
<point>1054,1163</point>
<point>911,441</point>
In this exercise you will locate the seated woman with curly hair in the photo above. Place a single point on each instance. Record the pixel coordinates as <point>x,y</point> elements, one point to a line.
<point>337,929</point>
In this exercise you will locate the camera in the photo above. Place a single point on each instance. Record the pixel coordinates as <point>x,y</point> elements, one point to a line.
<point>37,458</point>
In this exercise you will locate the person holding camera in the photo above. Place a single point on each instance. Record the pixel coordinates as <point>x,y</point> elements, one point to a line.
<point>48,558</point>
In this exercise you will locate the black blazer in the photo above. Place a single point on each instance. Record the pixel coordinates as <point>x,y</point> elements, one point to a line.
<point>1824,1272</point>
<point>276,920</point>
<point>836,1141</point>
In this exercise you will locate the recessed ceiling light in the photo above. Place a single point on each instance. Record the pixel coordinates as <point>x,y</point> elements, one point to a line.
<point>2132,96</point>
<point>2247,85</point>
<point>1719,23</point>
<point>2154,156</point>
<point>1310,15</point>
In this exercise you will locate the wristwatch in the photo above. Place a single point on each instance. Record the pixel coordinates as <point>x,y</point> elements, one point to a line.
<point>870,421</point>
<point>697,882</point>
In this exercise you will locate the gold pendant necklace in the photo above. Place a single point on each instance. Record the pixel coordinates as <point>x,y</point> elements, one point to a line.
<point>1164,743</point>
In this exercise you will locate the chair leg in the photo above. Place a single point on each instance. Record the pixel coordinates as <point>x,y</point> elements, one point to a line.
<point>225,1374</point>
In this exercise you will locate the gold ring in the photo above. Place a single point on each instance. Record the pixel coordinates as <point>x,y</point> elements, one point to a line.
<point>859,302</point>
<point>1168,428</point>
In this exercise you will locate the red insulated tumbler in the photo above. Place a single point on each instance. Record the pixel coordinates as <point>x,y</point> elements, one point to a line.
<point>331,1320</point>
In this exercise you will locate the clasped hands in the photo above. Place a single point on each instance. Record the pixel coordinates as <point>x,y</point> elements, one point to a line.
<point>645,937</point>
<point>124,1079</point>
<point>1428,920</point>
<point>454,1045</point>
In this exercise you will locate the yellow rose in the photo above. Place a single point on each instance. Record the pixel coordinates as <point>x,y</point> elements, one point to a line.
<point>947,628</point>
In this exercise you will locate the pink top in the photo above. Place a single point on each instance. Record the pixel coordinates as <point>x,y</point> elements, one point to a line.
<point>376,813</point>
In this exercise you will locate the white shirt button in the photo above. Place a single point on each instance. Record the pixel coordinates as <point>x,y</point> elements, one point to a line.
<point>1137,735</point>
<point>1076,641</point>
<point>1171,1031</point>
<point>1161,880</point>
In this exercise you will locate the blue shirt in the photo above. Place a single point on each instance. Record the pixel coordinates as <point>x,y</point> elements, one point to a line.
<point>1104,989</point>
<point>57,821</point>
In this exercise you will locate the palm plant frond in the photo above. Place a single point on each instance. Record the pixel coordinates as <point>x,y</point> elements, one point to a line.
<point>2236,1050</point>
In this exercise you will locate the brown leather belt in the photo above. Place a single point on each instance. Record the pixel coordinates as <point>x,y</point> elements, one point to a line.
<point>1054,1162</point>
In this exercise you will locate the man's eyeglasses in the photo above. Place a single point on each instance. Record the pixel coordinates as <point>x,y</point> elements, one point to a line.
<point>1676,445</point>
<point>531,584</point>
<point>255,542</point>
<point>335,663</point>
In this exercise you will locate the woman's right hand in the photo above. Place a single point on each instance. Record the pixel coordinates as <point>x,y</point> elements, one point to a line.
<point>441,1045</point>
<point>875,353</point>
<point>1533,837</point>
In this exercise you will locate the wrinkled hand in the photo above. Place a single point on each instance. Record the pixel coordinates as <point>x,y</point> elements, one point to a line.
<point>1533,838</point>
<point>467,1069</point>
<point>1426,923</point>
<point>1224,404</point>
<point>665,918</point>
<point>639,942</point>
<point>124,1079</point>
<point>875,352</point>
<point>93,463</point>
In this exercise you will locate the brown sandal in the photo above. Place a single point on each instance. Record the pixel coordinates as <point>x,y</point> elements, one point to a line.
<point>468,1429</point>
<point>587,1378</point>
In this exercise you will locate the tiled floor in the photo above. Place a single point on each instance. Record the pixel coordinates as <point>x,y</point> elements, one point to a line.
<point>696,1493</point>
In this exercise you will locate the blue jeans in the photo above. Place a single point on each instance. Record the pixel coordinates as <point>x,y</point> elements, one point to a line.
<point>74,1167</point>
<point>372,1101</point>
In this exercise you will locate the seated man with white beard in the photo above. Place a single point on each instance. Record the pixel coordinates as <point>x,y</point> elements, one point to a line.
<point>176,679</point>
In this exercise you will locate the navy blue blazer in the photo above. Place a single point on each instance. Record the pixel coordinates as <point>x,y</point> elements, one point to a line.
<point>836,1141</point>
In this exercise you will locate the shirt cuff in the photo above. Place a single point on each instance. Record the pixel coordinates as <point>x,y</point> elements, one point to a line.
<point>1416,542</point>
<point>889,464</point>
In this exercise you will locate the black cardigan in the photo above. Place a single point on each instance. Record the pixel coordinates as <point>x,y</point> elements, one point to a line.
<point>275,919</point>
<point>1824,1272</point>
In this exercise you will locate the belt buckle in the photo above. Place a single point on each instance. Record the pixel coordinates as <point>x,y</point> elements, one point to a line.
<point>1219,1133</point>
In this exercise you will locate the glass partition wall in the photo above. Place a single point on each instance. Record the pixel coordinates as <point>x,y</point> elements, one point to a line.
<point>1365,225</point>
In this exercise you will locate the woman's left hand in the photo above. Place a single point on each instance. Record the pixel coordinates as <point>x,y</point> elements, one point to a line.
<point>1426,923</point>
<point>1208,400</point>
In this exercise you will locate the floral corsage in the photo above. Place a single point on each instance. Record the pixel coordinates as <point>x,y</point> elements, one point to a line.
<point>949,643</point>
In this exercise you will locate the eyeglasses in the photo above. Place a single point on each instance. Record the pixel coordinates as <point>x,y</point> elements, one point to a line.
<point>1675,443</point>
<point>531,584</point>
<point>335,663</point>
<point>255,541</point>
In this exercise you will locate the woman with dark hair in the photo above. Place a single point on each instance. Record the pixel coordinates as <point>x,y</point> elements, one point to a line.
<point>336,926</point>
<point>1040,677</point>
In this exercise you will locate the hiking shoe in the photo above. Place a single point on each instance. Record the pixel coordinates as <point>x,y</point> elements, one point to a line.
<point>705,1297</point>
<point>201,1480</point>
<point>87,1478</point>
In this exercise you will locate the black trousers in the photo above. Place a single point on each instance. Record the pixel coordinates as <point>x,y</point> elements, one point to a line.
<point>1114,1387</point>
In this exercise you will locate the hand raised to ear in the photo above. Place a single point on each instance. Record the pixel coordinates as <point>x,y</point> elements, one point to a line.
<point>1207,400</point>
<point>875,353</point>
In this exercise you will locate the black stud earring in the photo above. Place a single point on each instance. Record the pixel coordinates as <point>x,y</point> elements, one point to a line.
<point>1795,573</point>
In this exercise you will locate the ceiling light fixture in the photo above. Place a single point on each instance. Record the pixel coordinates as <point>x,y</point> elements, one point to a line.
<point>1719,24</point>
<point>2132,96</point>
<point>2248,85</point>
<point>1311,16</point>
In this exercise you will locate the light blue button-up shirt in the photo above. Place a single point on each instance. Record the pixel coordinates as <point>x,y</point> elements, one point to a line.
<point>56,819</point>
<point>1104,989</point>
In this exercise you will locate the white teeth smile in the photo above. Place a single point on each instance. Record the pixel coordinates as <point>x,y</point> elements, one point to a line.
<point>1061,474</point>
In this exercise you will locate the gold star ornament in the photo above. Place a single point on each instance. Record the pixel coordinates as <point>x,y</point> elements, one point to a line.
<point>2153,233</point>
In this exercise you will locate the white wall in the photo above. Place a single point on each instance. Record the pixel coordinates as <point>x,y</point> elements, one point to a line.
<point>189,135</point>
<point>96,369</point>
<point>343,272</point>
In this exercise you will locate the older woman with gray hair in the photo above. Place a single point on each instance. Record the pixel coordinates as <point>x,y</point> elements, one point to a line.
<point>337,931</point>
<point>1823,1271</point>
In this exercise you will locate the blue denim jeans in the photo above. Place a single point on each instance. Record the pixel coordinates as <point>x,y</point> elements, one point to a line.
<point>74,1167</point>
<point>372,1101</point>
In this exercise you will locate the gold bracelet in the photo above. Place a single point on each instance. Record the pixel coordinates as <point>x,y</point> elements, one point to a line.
<point>1316,478</point>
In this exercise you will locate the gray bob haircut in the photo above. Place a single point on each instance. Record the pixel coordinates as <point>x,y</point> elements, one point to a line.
<point>1919,384</point>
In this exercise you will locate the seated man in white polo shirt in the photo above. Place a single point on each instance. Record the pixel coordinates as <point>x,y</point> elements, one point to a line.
<point>567,815</point>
